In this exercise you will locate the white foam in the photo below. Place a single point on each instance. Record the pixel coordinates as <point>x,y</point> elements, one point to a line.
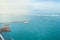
<point>1,37</point>
<point>44,14</point>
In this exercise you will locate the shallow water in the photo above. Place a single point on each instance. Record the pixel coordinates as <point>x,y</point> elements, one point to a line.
<point>40,28</point>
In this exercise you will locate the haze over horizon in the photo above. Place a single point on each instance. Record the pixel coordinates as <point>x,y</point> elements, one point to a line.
<point>29,6</point>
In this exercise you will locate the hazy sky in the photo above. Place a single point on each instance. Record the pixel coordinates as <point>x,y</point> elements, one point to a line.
<point>29,6</point>
<point>14,7</point>
<point>23,7</point>
<point>46,6</point>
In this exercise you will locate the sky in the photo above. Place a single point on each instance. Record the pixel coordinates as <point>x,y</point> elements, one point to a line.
<point>46,6</point>
<point>29,6</point>
<point>14,8</point>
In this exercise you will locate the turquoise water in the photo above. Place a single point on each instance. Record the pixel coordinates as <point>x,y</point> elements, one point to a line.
<point>40,28</point>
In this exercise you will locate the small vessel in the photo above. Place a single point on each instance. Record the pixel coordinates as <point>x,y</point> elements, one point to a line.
<point>26,22</point>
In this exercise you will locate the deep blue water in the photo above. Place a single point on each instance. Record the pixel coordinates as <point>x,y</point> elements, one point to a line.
<point>40,28</point>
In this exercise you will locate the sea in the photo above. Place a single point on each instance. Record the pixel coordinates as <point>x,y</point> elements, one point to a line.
<point>39,28</point>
